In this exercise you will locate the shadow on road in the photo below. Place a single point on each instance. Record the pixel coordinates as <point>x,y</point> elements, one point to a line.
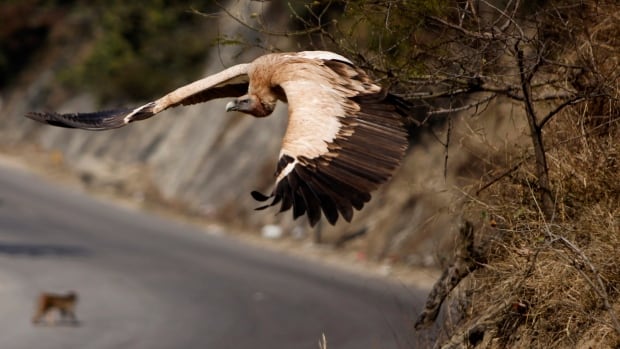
<point>59,323</point>
<point>41,250</point>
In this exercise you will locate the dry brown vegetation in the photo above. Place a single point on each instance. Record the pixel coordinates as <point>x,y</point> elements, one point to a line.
<point>551,282</point>
<point>542,269</point>
<point>550,277</point>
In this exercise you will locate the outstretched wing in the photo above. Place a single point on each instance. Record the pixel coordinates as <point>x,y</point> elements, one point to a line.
<point>344,138</point>
<point>231,82</point>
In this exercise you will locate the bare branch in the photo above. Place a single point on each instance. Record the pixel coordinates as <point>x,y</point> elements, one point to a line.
<point>439,94</point>
<point>244,23</point>
<point>447,149</point>
<point>542,170</point>
<point>500,176</point>
<point>465,107</point>
<point>557,109</point>
<point>480,36</point>
<point>509,18</point>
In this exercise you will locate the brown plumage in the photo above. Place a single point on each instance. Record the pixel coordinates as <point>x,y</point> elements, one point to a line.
<point>345,135</point>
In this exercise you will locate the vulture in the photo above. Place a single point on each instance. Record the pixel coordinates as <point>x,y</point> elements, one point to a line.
<point>345,134</point>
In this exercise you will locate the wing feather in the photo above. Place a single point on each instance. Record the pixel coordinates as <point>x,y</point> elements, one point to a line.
<point>231,82</point>
<point>311,201</point>
<point>101,120</point>
<point>345,137</point>
<point>327,196</point>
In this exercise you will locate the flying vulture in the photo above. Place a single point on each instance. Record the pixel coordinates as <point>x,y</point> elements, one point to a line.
<point>345,134</point>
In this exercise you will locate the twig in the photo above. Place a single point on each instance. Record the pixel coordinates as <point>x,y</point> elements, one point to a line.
<point>465,107</point>
<point>510,19</point>
<point>314,29</point>
<point>481,36</point>
<point>557,109</point>
<point>500,176</point>
<point>447,148</point>
<point>432,94</point>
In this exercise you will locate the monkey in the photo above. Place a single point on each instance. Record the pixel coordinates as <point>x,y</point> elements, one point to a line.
<point>64,303</point>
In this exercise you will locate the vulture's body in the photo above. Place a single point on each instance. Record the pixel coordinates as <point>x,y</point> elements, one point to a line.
<point>344,138</point>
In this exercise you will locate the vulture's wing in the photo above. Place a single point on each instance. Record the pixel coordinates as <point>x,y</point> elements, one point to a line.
<point>231,82</point>
<point>344,138</point>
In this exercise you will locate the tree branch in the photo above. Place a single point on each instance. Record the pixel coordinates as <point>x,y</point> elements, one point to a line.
<point>241,21</point>
<point>500,176</point>
<point>557,109</point>
<point>536,136</point>
<point>480,36</point>
<point>461,108</point>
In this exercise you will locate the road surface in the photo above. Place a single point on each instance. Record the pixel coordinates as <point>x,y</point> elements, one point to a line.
<point>145,282</point>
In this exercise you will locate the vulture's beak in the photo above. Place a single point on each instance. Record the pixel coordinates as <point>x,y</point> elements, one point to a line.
<point>232,106</point>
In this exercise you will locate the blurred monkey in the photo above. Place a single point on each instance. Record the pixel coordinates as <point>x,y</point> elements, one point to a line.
<point>64,303</point>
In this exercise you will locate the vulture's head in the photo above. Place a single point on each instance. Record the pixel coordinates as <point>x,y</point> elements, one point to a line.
<point>251,104</point>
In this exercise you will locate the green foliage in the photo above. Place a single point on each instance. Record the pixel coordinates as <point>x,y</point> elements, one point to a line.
<point>20,39</point>
<point>128,49</point>
<point>141,49</point>
<point>386,33</point>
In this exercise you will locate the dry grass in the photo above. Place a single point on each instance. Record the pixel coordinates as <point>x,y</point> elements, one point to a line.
<point>554,282</point>
<point>557,280</point>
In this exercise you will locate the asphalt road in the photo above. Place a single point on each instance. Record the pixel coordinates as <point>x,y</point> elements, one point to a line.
<point>145,282</point>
